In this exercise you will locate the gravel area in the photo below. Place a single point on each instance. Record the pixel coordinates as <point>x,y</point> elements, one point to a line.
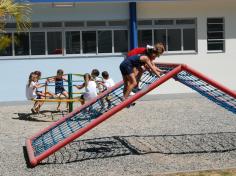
<point>158,135</point>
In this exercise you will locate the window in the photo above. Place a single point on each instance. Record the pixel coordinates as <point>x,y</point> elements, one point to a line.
<point>96,23</point>
<point>118,23</point>
<point>189,39</point>
<point>144,22</point>
<point>73,42</point>
<point>37,43</point>
<point>54,41</point>
<point>7,41</point>
<point>89,41</point>
<point>160,36</point>
<point>164,22</point>
<point>121,41</point>
<point>104,42</point>
<point>52,24</point>
<point>10,25</point>
<point>21,41</point>
<point>74,24</point>
<point>71,38</point>
<point>35,25</point>
<point>215,34</point>
<point>177,35</point>
<point>144,38</point>
<point>174,39</point>
<point>185,21</point>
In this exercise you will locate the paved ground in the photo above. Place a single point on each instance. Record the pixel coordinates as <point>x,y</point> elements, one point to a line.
<point>164,134</point>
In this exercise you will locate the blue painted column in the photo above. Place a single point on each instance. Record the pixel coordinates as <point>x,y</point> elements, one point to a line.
<point>133,25</point>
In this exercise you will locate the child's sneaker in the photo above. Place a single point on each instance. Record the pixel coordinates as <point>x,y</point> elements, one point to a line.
<point>135,90</point>
<point>132,93</point>
<point>33,110</point>
<point>131,105</point>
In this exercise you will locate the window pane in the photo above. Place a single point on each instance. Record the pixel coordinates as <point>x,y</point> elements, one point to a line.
<point>174,39</point>
<point>164,22</point>
<point>74,24</point>
<point>54,41</point>
<point>96,23</point>
<point>10,25</point>
<point>104,42</point>
<point>144,38</point>
<point>160,36</point>
<point>118,23</point>
<point>145,22</point>
<point>185,21</point>
<point>6,40</point>
<point>52,24</point>
<point>215,20</point>
<point>37,43</point>
<point>189,39</point>
<point>216,45</point>
<point>215,35</point>
<point>21,43</point>
<point>73,42</point>
<point>215,27</point>
<point>89,41</point>
<point>35,25</point>
<point>121,41</point>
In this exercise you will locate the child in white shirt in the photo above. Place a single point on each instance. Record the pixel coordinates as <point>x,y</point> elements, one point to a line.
<point>108,82</point>
<point>90,88</point>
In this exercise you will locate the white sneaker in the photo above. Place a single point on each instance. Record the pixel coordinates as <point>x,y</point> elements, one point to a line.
<point>132,93</point>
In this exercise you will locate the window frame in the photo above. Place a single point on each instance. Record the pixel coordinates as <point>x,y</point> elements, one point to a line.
<point>223,32</point>
<point>173,26</point>
<point>63,31</point>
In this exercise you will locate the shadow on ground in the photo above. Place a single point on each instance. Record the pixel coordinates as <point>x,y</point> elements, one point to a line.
<point>116,146</point>
<point>43,116</point>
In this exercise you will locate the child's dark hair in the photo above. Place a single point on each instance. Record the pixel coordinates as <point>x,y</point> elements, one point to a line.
<point>30,78</point>
<point>87,78</point>
<point>105,74</point>
<point>38,73</point>
<point>159,48</point>
<point>60,72</point>
<point>95,72</point>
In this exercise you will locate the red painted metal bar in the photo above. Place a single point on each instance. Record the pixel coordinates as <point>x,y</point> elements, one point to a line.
<point>210,81</point>
<point>30,152</point>
<point>103,117</point>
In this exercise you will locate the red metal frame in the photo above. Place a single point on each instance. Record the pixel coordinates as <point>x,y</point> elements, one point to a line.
<point>178,68</point>
<point>208,80</point>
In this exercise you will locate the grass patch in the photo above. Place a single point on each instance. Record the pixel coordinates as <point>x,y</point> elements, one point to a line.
<point>227,172</point>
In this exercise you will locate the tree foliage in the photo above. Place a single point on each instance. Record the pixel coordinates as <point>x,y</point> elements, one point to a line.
<point>11,11</point>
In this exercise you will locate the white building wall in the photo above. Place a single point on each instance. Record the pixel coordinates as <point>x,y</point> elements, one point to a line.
<point>15,73</point>
<point>218,66</point>
<point>80,12</point>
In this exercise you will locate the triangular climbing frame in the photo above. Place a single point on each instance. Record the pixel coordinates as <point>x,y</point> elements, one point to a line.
<point>86,117</point>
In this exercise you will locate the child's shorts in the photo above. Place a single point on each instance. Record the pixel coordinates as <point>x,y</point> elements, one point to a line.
<point>126,67</point>
<point>38,95</point>
<point>59,90</point>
